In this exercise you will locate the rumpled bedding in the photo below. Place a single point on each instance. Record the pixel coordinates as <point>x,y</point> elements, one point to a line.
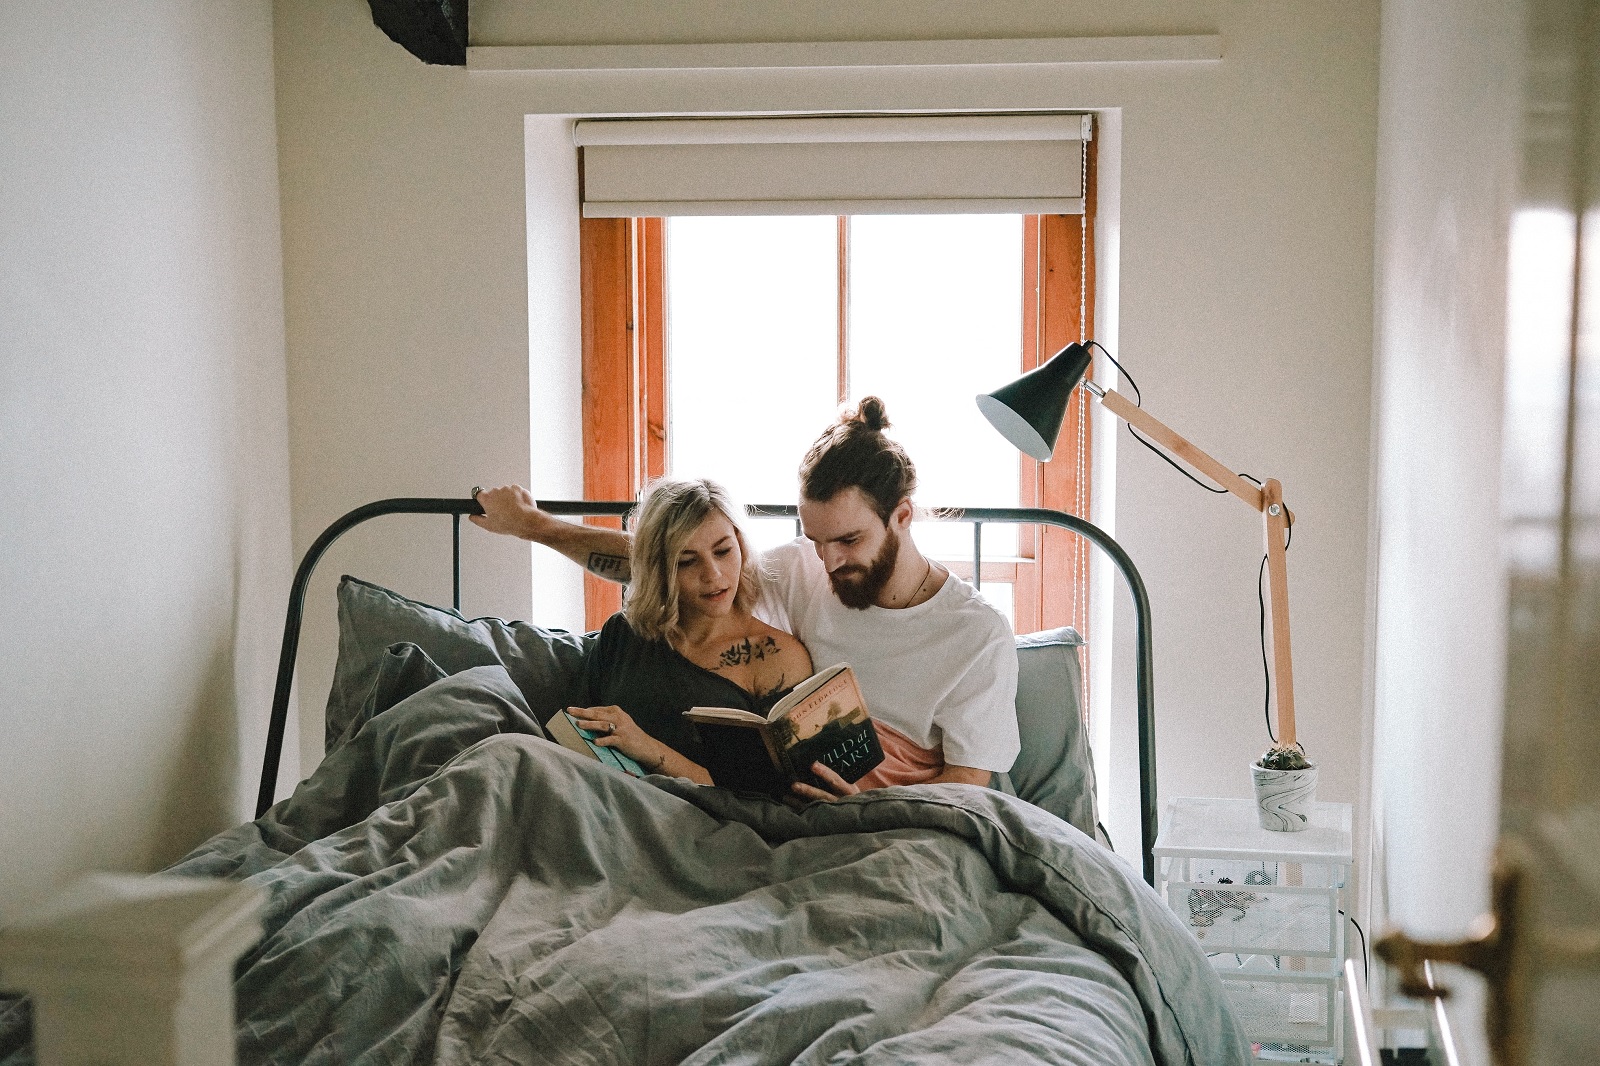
<point>450,888</point>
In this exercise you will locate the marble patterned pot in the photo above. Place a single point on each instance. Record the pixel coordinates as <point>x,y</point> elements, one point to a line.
<point>1284,797</point>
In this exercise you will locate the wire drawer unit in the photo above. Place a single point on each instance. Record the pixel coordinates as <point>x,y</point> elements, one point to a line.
<point>1266,908</point>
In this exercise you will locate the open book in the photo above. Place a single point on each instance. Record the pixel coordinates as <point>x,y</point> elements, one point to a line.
<point>824,719</point>
<point>564,730</point>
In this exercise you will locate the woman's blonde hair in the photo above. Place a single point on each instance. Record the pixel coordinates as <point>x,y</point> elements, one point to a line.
<point>669,512</point>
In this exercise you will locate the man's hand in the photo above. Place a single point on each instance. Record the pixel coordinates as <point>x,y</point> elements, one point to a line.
<point>837,786</point>
<point>510,509</point>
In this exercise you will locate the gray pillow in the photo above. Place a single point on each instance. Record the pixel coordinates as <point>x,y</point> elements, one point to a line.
<point>545,664</point>
<point>404,670</point>
<point>1054,769</point>
<point>401,745</point>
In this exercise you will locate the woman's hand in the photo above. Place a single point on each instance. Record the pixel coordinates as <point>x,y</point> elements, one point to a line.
<point>618,730</point>
<point>837,787</point>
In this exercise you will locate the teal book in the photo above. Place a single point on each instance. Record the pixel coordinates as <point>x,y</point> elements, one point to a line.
<point>565,730</point>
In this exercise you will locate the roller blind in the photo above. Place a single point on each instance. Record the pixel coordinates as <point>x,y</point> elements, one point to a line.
<point>968,164</point>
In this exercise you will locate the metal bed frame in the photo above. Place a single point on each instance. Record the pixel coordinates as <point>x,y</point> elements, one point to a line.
<point>977,516</point>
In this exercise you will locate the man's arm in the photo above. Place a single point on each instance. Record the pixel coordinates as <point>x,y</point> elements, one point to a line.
<point>978,718</point>
<point>510,510</point>
<point>961,775</point>
<point>838,787</point>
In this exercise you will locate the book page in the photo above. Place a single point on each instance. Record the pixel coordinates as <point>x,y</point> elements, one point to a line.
<point>804,689</point>
<point>723,714</point>
<point>835,703</point>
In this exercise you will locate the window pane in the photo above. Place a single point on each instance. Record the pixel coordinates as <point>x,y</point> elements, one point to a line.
<point>752,352</point>
<point>935,317</point>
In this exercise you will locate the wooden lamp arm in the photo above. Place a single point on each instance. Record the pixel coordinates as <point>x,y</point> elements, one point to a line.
<point>1278,518</point>
<point>1268,500</point>
<point>1157,431</point>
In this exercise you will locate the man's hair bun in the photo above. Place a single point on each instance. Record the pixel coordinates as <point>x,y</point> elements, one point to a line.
<point>855,453</point>
<point>870,412</point>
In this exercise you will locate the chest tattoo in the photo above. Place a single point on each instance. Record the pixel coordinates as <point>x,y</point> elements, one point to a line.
<point>747,651</point>
<point>762,693</point>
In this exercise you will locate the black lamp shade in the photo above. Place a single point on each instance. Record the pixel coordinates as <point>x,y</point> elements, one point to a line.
<point>1028,412</point>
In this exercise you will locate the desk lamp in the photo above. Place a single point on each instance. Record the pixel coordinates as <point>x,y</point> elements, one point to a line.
<point>1028,413</point>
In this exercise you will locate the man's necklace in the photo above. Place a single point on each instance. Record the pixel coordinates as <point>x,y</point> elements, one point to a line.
<point>921,585</point>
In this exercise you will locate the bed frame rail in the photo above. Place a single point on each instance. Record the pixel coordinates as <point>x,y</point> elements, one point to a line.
<point>977,516</point>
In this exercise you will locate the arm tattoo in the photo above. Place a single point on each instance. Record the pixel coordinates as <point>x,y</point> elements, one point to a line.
<point>747,651</point>
<point>610,567</point>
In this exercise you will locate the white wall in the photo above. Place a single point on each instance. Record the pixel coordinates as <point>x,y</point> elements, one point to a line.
<point>408,307</point>
<point>1245,295</point>
<point>143,454</point>
<point>555,341</point>
<point>526,22</point>
<point>1449,80</point>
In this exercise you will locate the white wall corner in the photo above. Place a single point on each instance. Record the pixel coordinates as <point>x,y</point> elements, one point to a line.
<point>555,352</point>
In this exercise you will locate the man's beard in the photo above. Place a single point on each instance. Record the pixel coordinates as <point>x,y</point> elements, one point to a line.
<point>858,586</point>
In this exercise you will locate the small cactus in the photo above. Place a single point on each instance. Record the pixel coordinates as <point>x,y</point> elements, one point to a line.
<point>1281,758</point>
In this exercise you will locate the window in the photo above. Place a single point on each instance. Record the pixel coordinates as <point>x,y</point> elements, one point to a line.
<point>720,345</point>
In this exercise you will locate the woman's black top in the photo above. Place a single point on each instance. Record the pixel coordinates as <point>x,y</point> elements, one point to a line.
<point>655,685</point>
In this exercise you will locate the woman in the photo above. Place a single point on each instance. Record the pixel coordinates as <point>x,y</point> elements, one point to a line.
<point>686,636</point>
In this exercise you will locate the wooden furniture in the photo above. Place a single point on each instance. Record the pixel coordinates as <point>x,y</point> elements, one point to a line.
<point>1267,909</point>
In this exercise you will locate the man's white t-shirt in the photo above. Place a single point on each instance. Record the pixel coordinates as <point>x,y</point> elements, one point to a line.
<point>944,672</point>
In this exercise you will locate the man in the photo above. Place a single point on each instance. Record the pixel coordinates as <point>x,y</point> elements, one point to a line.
<point>936,662</point>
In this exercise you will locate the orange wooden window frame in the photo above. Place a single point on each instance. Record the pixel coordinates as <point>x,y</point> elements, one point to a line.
<point>624,372</point>
<point>1058,308</point>
<point>624,392</point>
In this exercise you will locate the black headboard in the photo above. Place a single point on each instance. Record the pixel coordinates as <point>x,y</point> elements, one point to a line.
<point>976,516</point>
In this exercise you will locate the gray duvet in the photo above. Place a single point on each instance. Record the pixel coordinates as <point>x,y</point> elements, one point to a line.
<point>447,888</point>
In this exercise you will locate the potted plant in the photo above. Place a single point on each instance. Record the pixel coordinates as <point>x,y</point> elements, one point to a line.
<point>1285,786</point>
